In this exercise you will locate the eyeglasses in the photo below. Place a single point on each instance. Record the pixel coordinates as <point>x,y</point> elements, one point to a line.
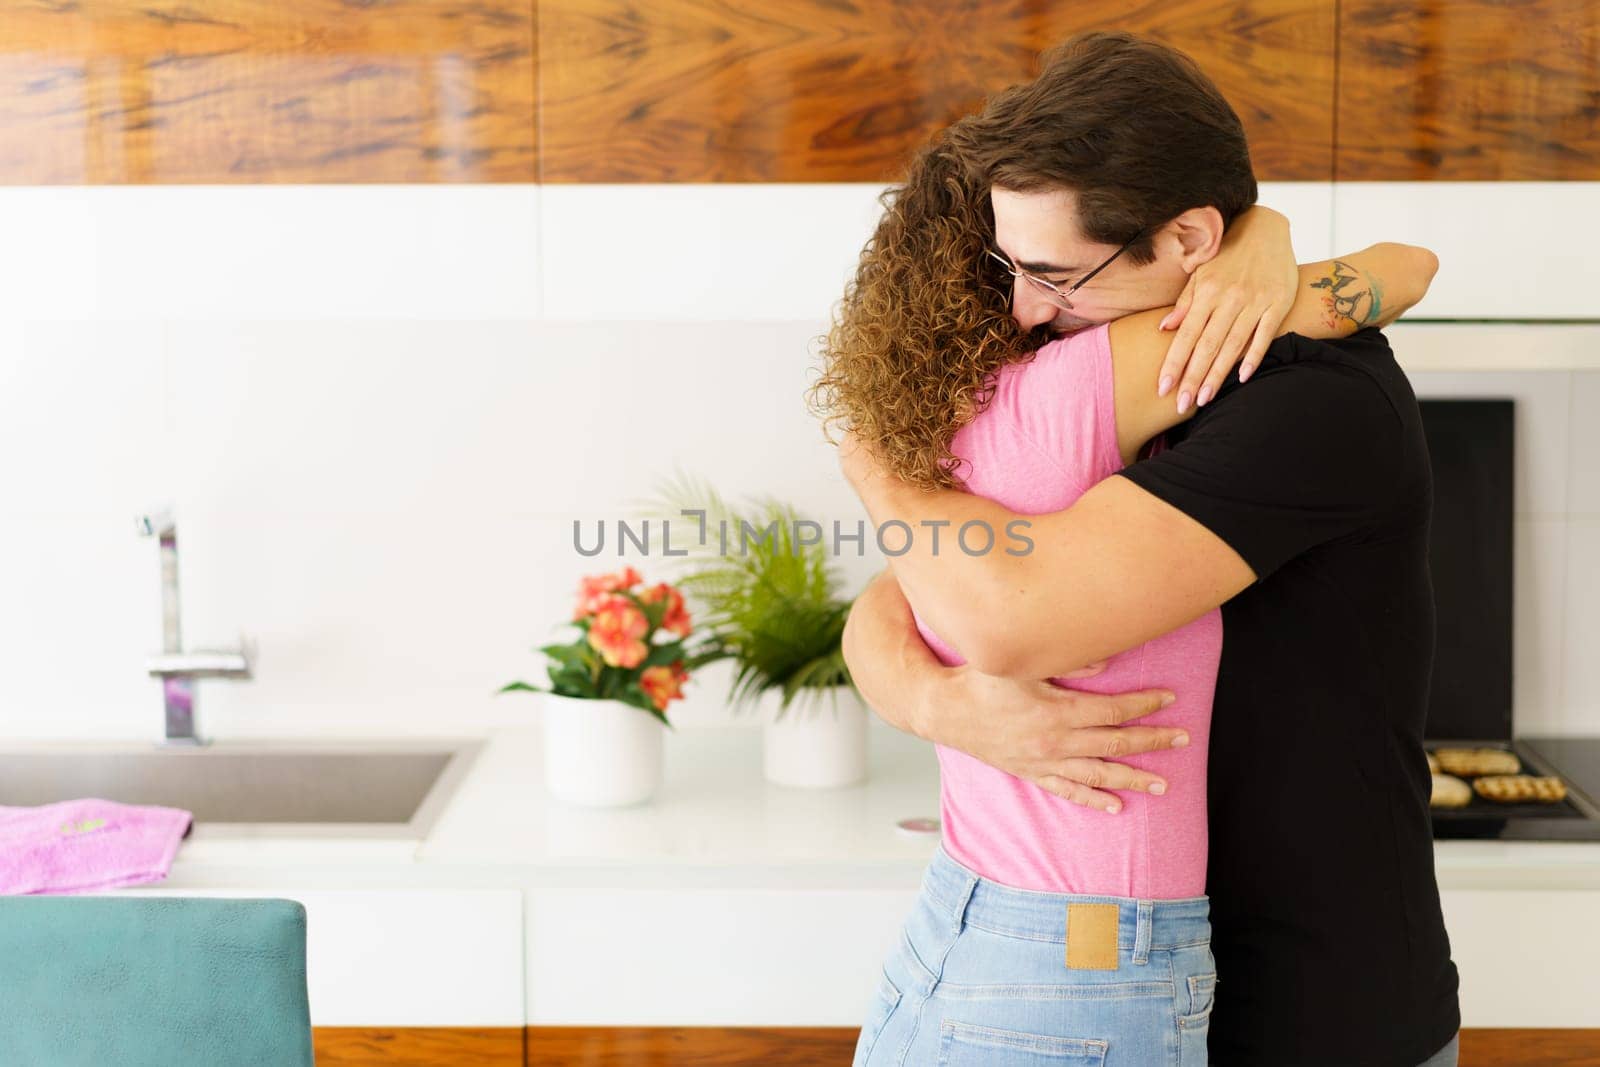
<point>1049,289</point>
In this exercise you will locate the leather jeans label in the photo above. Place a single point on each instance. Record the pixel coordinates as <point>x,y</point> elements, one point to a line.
<point>1092,937</point>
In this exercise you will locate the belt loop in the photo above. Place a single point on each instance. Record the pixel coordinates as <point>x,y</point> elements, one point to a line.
<point>971,883</point>
<point>1141,932</point>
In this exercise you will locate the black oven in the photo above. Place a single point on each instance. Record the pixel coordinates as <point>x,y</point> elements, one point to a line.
<point>1471,444</point>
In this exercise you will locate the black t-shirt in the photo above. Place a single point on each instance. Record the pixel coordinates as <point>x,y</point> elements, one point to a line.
<point>1330,944</point>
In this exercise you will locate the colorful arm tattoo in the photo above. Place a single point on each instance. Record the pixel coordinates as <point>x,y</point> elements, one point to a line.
<point>1345,301</point>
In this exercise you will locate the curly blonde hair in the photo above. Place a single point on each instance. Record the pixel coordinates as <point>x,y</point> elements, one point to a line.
<point>924,325</point>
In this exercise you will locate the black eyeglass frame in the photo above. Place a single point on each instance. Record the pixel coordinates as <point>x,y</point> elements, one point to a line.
<point>1050,288</point>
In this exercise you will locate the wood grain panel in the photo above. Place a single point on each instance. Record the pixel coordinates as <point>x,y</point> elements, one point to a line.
<point>833,90</point>
<point>701,1046</point>
<point>133,91</point>
<point>1474,90</point>
<point>552,1046</point>
<point>1530,1048</point>
<point>365,1046</point>
<point>586,1046</point>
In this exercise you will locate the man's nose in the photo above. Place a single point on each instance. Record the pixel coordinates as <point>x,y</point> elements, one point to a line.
<point>1030,307</point>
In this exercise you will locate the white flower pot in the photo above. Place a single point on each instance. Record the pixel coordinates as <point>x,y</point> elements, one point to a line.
<point>820,742</point>
<point>600,753</point>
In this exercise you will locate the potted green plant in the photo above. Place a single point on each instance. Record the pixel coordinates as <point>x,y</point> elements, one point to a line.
<point>610,686</point>
<point>773,601</point>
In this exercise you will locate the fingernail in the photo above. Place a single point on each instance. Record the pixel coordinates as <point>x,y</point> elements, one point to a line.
<point>1166,385</point>
<point>1181,741</point>
<point>1183,402</point>
<point>1245,372</point>
<point>1205,395</point>
<point>1164,323</point>
<point>1113,809</point>
<point>1168,700</point>
<point>1158,789</point>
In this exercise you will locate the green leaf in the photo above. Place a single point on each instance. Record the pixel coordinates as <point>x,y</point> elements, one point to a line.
<point>772,605</point>
<point>569,655</point>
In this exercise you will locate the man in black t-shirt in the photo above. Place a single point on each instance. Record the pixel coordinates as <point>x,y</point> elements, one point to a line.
<point>1299,503</point>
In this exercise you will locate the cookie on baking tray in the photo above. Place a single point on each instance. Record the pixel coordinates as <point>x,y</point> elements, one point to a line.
<point>1450,792</point>
<point>1471,762</point>
<point>1520,789</point>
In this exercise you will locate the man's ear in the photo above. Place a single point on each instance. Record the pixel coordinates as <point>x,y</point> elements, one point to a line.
<point>1194,237</point>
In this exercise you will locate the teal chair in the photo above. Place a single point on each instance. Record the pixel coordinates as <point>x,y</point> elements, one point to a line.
<point>155,982</point>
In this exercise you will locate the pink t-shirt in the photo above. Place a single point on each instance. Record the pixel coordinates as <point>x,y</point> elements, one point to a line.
<point>1048,435</point>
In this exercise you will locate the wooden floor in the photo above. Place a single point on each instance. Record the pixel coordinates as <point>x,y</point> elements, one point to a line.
<point>585,1046</point>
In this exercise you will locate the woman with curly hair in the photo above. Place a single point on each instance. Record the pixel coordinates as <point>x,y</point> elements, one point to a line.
<point>1046,932</point>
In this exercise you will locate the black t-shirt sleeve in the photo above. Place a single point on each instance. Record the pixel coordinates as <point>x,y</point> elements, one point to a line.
<point>1308,452</point>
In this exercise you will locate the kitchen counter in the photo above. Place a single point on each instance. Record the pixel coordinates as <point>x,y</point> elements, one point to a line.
<point>730,902</point>
<point>715,822</point>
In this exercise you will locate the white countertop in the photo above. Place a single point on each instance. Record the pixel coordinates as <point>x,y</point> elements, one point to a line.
<point>715,822</point>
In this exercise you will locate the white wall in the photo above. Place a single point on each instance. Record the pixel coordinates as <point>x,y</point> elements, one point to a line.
<point>376,411</point>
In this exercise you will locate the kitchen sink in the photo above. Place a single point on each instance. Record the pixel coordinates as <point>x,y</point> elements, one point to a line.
<point>386,789</point>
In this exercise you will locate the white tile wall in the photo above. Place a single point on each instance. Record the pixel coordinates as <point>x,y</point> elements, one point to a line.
<point>376,434</point>
<point>83,413</point>
<point>1583,625</point>
<point>1583,494</point>
<point>523,417</point>
<point>1539,637</point>
<point>1543,415</point>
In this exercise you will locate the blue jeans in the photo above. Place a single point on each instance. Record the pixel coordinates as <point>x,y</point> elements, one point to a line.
<point>979,977</point>
<point>1447,1056</point>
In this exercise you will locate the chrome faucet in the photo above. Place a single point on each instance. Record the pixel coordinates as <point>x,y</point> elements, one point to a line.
<point>176,668</point>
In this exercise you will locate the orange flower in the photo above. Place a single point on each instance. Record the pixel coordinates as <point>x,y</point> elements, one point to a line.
<point>664,684</point>
<point>676,620</point>
<point>617,629</point>
<point>593,589</point>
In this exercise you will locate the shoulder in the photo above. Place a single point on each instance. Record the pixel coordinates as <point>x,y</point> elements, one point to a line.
<point>1316,410</point>
<point>1321,378</point>
<point>1066,373</point>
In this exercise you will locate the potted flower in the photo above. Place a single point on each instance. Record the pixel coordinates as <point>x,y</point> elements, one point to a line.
<point>610,686</point>
<point>775,605</point>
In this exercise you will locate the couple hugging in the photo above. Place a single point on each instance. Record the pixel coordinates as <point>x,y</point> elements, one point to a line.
<point>1183,791</point>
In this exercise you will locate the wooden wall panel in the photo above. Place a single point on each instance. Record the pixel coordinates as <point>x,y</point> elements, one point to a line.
<point>682,1046</point>
<point>1473,90</point>
<point>621,1046</point>
<point>829,90</point>
<point>419,1046</point>
<point>132,91</point>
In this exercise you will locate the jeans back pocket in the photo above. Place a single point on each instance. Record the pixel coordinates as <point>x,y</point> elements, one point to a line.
<point>969,1045</point>
<point>1202,994</point>
<point>1194,1027</point>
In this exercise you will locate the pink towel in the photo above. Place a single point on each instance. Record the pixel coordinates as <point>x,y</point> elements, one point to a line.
<point>78,846</point>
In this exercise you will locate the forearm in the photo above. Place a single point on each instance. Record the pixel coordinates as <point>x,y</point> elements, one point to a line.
<point>1372,287</point>
<point>958,592</point>
<point>890,663</point>
<point>1259,225</point>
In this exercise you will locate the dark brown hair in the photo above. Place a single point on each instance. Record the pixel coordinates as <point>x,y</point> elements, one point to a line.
<point>1132,126</point>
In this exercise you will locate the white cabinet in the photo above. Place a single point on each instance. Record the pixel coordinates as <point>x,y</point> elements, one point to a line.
<point>1507,250</point>
<point>1526,956</point>
<point>707,957</point>
<point>405,957</point>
